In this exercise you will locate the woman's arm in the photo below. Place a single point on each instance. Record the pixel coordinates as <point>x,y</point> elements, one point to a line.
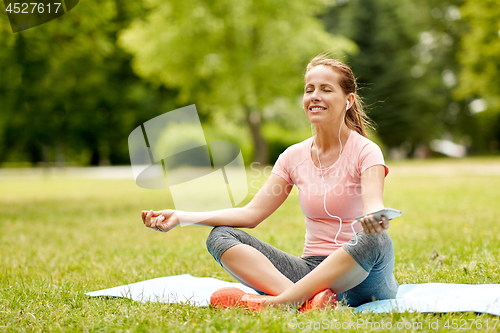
<point>372,192</point>
<point>264,203</point>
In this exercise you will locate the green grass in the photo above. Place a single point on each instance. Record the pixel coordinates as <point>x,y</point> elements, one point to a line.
<point>60,238</point>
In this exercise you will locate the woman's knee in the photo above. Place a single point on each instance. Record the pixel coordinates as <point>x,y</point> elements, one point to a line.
<point>217,235</point>
<point>385,244</point>
<point>380,246</point>
<point>371,249</point>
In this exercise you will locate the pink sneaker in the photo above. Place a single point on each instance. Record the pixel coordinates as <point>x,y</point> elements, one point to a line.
<point>254,302</point>
<point>234,297</point>
<point>325,299</point>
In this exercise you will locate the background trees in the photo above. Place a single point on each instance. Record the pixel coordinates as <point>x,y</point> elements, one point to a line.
<point>72,90</point>
<point>232,58</point>
<point>479,59</point>
<point>68,92</point>
<point>406,66</point>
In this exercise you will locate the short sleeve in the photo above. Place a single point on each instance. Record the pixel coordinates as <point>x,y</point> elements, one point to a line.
<point>282,167</point>
<point>371,155</point>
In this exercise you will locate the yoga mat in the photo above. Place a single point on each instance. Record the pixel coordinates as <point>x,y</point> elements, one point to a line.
<point>172,289</point>
<point>440,297</point>
<point>426,297</point>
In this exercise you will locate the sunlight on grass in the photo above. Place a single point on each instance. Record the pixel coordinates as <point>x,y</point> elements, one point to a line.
<point>61,238</point>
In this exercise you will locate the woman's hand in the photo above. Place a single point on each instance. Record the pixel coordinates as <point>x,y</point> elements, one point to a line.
<point>163,220</point>
<point>371,226</point>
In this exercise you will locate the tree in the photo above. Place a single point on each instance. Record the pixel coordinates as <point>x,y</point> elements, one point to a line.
<point>230,57</point>
<point>69,90</point>
<point>438,46</point>
<point>395,82</point>
<point>9,75</point>
<point>479,56</point>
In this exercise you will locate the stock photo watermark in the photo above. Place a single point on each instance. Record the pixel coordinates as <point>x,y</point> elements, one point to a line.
<point>367,325</point>
<point>334,183</point>
<point>170,152</point>
<point>24,15</point>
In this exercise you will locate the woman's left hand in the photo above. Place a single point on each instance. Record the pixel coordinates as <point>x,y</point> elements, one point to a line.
<point>371,226</point>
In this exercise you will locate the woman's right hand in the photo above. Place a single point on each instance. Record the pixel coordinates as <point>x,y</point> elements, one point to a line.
<point>163,220</point>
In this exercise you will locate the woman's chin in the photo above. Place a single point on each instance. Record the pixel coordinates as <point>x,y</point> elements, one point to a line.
<point>317,121</point>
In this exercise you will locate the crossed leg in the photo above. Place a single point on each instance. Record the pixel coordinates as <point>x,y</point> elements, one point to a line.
<point>260,275</point>
<point>357,273</point>
<point>338,272</point>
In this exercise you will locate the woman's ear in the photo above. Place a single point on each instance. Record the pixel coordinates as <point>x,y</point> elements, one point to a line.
<point>350,100</point>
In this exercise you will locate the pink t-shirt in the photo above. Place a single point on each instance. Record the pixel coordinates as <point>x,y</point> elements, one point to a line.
<point>343,184</point>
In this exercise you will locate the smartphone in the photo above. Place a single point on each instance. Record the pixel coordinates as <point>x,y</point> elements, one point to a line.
<point>390,213</point>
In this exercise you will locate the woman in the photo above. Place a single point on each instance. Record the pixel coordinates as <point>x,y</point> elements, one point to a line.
<point>340,175</point>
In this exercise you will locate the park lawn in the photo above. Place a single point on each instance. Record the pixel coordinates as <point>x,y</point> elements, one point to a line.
<point>60,238</point>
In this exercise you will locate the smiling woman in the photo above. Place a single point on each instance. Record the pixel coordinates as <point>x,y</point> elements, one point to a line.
<point>339,76</point>
<point>340,176</point>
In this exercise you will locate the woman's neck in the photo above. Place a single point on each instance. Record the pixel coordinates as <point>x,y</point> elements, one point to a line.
<point>327,137</point>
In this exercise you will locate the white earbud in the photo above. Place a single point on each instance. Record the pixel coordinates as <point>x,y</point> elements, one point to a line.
<point>324,184</point>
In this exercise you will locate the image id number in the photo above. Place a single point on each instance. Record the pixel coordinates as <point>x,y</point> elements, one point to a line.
<point>33,7</point>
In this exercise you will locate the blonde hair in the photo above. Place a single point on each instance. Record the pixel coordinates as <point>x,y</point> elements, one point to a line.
<point>356,118</point>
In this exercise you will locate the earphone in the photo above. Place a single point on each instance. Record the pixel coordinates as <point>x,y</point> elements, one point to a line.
<point>324,183</point>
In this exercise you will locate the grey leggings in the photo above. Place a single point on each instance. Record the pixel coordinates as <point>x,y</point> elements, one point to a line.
<point>374,253</point>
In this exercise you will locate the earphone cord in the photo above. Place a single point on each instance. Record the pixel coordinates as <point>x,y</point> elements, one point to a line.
<point>324,186</point>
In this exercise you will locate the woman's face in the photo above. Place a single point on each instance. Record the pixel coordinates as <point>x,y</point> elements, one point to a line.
<point>324,100</point>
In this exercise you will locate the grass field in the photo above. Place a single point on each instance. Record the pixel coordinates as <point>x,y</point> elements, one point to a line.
<point>62,237</point>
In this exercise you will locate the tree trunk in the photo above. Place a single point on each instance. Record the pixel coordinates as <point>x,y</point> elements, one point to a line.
<point>260,153</point>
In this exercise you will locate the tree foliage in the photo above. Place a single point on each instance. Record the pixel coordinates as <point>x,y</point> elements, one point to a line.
<point>480,51</point>
<point>67,90</point>
<point>230,57</point>
<point>396,96</point>
<point>479,57</point>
